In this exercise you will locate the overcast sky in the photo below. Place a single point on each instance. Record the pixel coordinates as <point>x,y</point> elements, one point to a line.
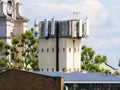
<point>104,18</point>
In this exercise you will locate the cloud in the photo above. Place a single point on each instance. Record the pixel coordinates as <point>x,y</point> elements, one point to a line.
<point>54,6</point>
<point>89,8</point>
<point>104,20</point>
<point>63,9</point>
<point>107,42</point>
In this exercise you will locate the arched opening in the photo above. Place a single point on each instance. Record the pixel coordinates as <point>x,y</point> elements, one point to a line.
<point>9,3</point>
<point>9,8</point>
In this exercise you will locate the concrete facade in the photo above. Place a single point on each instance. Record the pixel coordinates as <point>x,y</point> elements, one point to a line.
<point>60,44</point>
<point>12,22</point>
<point>69,54</point>
<point>22,80</point>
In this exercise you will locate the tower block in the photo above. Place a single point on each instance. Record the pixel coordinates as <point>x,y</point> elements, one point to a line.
<point>60,44</point>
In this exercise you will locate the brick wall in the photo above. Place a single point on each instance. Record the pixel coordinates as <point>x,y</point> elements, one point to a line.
<point>21,80</point>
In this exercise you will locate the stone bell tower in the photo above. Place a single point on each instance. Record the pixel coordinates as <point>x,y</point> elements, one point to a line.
<point>60,44</point>
<point>12,22</point>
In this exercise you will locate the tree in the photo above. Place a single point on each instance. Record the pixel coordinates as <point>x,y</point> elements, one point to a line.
<point>29,50</point>
<point>91,61</point>
<point>4,50</point>
<point>22,54</point>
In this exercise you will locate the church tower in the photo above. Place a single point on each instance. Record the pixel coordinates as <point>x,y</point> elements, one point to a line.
<point>12,22</point>
<point>60,44</point>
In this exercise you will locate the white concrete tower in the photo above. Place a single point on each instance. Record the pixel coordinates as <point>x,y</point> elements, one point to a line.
<point>12,22</point>
<point>60,44</point>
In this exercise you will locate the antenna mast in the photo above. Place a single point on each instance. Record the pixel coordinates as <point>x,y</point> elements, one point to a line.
<point>76,13</point>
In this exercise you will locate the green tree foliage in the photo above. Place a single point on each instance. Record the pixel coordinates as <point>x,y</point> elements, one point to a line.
<point>22,54</point>
<point>91,61</point>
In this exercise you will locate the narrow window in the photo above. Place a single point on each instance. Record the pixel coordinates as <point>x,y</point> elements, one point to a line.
<point>64,69</point>
<point>42,50</point>
<point>74,49</point>
<point>63,49</point>
<point>47,50</point>
<point>69,49</point>
<point>70,69</point>
<point>52,69</point>
<point>52,49</point>
<point>74,69</point>
<point>78,49</point>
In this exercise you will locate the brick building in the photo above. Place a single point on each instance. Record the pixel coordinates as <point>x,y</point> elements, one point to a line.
<point>22,80</point>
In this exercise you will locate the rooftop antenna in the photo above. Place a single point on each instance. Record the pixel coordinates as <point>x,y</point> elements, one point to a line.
<point>36,29</point>
<point>35,23</point>
<point>76,13</point>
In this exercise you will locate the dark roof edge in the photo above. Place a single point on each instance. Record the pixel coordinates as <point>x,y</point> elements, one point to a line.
<point>110,66</point>
<point>11,70</point>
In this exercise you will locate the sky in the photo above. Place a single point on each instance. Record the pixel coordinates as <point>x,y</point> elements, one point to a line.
<point>104,18</point>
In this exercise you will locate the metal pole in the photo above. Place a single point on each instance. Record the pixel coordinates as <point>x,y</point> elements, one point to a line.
<point>57,47</point>
<point>73,54</point>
